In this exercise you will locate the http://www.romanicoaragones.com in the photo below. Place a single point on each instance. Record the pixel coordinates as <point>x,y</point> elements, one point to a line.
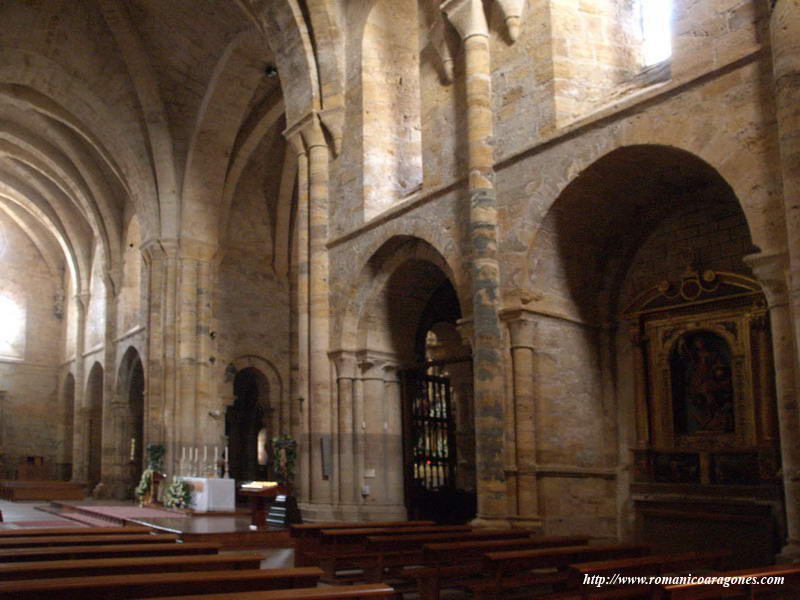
<point>617,579</point>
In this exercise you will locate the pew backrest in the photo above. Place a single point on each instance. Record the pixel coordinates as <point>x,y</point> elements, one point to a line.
<point>110,551</point>
<point>86,540</point>
<point>51,569</point>
<point>149,585</point>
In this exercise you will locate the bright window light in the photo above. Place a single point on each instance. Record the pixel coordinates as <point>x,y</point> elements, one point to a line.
<point>656,18</point>
<point>12,329</point>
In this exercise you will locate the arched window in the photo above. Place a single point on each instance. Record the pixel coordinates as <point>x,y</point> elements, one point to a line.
<point>656,23</point>
<point>12,329</point>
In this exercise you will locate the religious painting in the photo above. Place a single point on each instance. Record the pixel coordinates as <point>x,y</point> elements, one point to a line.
<point>702,384</point>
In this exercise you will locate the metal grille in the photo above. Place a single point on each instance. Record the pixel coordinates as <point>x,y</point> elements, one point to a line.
<point>430,440</point>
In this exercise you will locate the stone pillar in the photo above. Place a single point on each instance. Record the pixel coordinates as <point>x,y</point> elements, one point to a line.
<point>382,469</point>
<point>469,19</point>
<point>193,425</point>
<point>393,434</point>
<point>772,270</point>
<point>345,362</point>
<point>112,473</point>
<point>80,429</point>
<point>319,423</point>
<point>161,259</point>
<point>522,464</point>
<point>300,404</point>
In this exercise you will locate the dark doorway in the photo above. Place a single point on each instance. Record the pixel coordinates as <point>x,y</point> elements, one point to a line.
<point>68,423</point>
<point>136,408</point>
<point>246,426</point>
<point>438,431</point>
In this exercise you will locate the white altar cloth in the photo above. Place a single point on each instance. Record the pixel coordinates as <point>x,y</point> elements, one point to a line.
<point>212,494</point>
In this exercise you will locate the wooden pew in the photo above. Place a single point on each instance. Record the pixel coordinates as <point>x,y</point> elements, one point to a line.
<point>306,535</point>
<point>337,592</point>
<point>51,569</point>
<point>706,591</point>
<point>150,585</point>
<point>346,549</point>
<point>504,571</point>
<point>86,540</point>
<point>43,531</point>
<point>111,551</point>
<point>458,560</point>
<point>396,551</point>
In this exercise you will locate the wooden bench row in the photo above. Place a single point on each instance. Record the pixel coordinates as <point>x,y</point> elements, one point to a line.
<point>98,564</point>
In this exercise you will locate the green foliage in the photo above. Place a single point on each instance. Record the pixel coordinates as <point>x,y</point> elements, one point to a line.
<point>178,494</point>
<point>155,457</point>
<point>285,453</point>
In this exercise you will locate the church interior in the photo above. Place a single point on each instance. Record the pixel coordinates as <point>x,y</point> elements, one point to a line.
<point>514,263</point>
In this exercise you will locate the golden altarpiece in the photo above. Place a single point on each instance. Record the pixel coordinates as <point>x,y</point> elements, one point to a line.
<point>705,460</point>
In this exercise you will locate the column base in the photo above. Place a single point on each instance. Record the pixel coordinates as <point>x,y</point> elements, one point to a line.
<point>486,522</point>
<point>790,553</point>
<point>534,523</point>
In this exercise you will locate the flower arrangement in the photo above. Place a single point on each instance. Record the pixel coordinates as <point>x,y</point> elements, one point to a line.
<point>178,494</point>
<point>285,453</point>
<point>148,484</point>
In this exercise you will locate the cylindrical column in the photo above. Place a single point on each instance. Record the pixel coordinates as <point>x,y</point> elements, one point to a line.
<point>319,403</point>
<point>521,329</point>
<point>469,19</point>
<point>80,436</point>
<point>345,384</point>
<point>374,473</point>
<point>771,272</point>
<point>301,427</point>
<point>393,434</point>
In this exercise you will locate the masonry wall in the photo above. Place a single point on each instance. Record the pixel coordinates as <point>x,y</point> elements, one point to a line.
<point>28,381</point>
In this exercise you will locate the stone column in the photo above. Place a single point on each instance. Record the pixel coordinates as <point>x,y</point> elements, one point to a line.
<point>80,429</point>
<point>345,362</point>
<point>382,469</point>
<point>193,425</point>
<point>161,259</point>
<point>318,408</point>
<point>469,19</point>
<point>112,467</point>
<point>300,424</point>
<point>522,466</point>
<point>772,270</point>
<point>393,434</point>
<point>785,47</point>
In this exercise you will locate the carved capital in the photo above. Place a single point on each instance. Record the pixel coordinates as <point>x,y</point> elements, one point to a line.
<point>466,330</point>
<point>772,271</point>
<point>345,362</point>
<point>521,325</point>
<point>333,121</point>
<point>309,128</point>
<point>512,13</point>
<point>467,16</point>
<point>154,250</point>
<point>373,363</point>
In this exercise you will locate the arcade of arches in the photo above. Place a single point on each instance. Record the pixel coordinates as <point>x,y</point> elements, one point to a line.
<point>478,258</point>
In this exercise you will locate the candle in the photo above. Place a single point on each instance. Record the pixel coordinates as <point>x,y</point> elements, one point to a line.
<point>133,449</point>
<point>183,453</point>
<point>205,453</point>
<point>216,454</point>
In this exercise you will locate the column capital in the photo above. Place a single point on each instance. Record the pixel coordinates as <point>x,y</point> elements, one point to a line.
<point>467,16</point>
<point>512,15</point>
<point>309,130</point>
<point>345,361</point>
<point>198,249</point>
<point>771,270</point>
<point>158,249</point>
<point>521,323</point>
<point>373,362</point>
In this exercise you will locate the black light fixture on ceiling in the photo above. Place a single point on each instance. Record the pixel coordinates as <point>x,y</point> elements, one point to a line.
<point>270,70</point>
